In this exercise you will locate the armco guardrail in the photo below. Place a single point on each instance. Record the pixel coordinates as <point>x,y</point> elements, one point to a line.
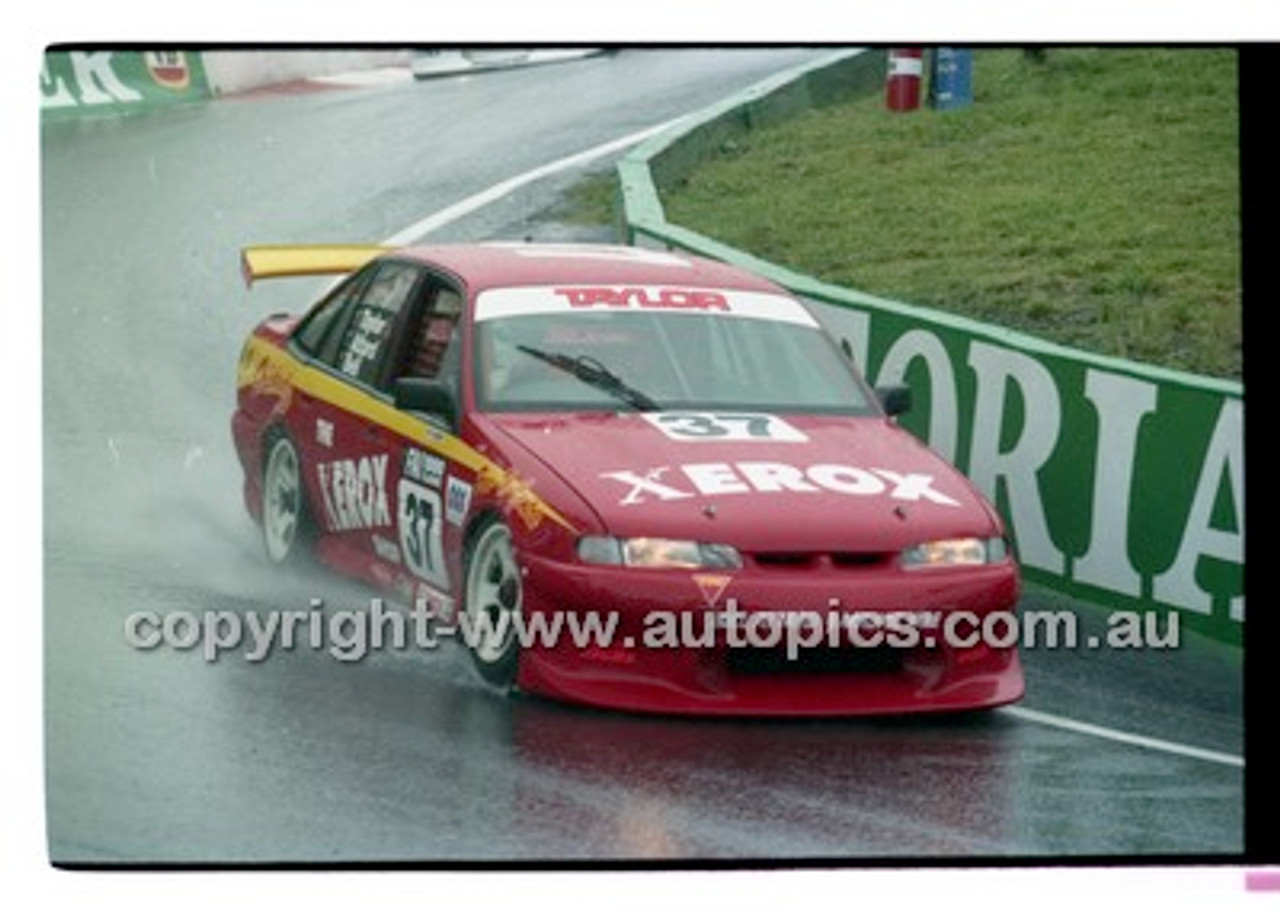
<point>1123,484</point>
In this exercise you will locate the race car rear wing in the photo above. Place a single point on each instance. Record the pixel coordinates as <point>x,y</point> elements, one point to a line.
<point>304,260</point>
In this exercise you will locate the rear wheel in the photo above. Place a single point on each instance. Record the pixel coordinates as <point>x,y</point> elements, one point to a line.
<point>492,598</point>
<point>286,529</point>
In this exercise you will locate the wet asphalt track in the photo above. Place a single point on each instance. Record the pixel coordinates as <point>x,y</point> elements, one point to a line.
<point>162,757</point>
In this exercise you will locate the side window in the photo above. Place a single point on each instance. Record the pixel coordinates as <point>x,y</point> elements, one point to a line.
<point>369,333</point>
<point>434,351</point>
<point>324,316</point>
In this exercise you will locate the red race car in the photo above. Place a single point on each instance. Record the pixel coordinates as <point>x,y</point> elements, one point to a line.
<point>624,477</point>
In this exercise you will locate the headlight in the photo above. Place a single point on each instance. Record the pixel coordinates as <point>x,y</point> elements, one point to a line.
<point>652,552</point>
<point>959,551</point>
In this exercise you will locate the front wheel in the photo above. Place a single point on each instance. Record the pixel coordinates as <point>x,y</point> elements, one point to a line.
<point>285,524</point>
<point>492,601</point>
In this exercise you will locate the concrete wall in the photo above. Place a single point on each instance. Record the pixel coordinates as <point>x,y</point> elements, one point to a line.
<point>234,71</point>
<point>105,82</point>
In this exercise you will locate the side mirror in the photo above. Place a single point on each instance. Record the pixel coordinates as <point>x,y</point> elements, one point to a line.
<point>895,399</point>
<point>432,398</point>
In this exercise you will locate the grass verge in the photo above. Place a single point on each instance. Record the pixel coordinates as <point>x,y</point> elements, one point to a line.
<point>1092,198</point>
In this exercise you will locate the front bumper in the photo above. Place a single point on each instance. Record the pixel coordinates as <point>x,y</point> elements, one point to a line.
<point>669,649</point>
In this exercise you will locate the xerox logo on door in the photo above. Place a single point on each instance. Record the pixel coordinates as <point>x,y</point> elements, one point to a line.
<point>355,493</point>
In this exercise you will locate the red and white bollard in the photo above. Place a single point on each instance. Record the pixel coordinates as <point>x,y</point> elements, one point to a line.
<point>906,71</point>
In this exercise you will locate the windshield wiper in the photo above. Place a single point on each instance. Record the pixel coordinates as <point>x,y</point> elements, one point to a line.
<point>594,373</point>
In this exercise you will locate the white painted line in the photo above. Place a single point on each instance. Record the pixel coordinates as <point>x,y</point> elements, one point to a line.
<point>420,229</point>
<point>1128,738</point>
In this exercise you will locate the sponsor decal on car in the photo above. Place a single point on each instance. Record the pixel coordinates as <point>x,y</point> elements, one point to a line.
<point>724,427</point>
<point>712,587</point>
<point>420,519</point>
<point>745,477</point>
<point>513,493</point>
<point>324,433</point>
<point>642,298</point>
<point>504,302</point>
<point>355,493</point>
<point>385,549</point>
<point>457,501</point>
<point>367,334</point>
<point>424,468</point>
<point>267,374</point>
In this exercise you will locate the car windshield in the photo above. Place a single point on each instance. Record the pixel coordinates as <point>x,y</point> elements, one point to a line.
<point>535,351</point>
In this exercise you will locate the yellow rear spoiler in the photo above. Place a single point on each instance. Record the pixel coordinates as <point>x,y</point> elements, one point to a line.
<point>300,261</point>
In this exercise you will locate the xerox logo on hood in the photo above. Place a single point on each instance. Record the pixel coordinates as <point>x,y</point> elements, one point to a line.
<point>760,479</point>
<point>719,478</point>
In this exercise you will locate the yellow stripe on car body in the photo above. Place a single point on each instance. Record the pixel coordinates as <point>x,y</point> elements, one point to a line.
<point>277,372</point>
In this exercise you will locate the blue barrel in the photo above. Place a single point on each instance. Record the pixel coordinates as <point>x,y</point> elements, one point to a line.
<point>950,78</point>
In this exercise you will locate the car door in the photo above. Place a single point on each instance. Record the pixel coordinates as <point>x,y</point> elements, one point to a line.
<point>432,493</point>
<point>351,461</point>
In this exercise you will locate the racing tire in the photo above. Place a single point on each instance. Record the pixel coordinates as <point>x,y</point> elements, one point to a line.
<point>286,523</point>
<point>492,599</point>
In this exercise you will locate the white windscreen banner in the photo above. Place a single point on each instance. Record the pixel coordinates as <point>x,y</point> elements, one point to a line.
<point>506,302</point>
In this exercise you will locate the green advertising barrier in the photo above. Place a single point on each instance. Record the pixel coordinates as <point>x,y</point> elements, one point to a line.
<point>76,83</point>
<point>1122,484</point>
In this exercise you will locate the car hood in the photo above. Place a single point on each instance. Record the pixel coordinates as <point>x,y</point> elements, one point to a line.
<point>758,482</point>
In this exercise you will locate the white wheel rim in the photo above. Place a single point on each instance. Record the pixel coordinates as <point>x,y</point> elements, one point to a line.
<point>493,595</point>
<point>281,499</point>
